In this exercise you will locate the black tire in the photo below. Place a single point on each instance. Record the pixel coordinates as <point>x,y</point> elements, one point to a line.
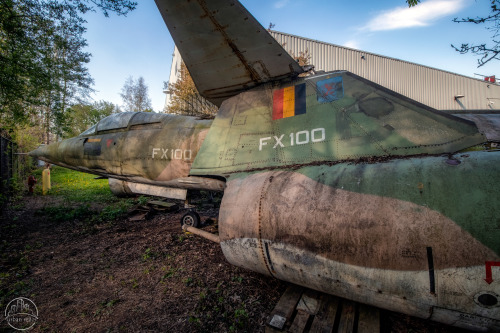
<point>191,219</point>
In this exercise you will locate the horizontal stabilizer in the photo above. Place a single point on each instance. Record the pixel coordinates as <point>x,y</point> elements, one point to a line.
<point>224,47</point>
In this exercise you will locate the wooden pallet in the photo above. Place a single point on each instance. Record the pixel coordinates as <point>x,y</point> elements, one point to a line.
<point>304,310</point>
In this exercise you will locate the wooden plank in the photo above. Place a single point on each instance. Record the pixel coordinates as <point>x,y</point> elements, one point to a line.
<point>140,216</point>
<point>327,312</point>
<point>347,315</point>
<point>271,330</point>
<point>325,318</point>
<point>309,302</point>
<point>161,203</point>
<point>283,311</point>
<point>300,322</point>
<point>369,319</point>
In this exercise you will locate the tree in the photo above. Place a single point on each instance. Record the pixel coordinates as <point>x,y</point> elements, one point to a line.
<point>186,99</point>
<point>42,62</point>
<point>135,95</point>
<point>83,116</point>
<point>303,59</point>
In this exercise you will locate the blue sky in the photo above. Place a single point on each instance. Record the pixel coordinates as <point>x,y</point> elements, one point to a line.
<point>140,44</point>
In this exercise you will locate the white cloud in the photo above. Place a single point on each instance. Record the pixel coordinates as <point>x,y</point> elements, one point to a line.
<point>420,15</point>
<point>281,4</point>
<point>352,44</point>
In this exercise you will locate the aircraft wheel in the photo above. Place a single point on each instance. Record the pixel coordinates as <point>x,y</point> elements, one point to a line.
<point>191,219</point>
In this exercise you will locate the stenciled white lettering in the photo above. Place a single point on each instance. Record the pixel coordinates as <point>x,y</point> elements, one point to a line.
<point>321,138</point>
<point>278,141</point>
<point>302,142</point>
<point>299,138</point>
<point>175,154</point>
<point>263,142</point>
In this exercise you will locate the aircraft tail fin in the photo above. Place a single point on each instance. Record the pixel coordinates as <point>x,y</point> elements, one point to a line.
<point>224,47</point>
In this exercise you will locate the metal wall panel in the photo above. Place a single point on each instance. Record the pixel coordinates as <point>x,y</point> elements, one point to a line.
<point>430,86</point>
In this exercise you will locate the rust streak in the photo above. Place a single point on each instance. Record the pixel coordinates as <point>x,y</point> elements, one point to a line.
<point>261,242</point>
<point>252,73</point>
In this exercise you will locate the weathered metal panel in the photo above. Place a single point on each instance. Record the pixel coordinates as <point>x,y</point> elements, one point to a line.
<point>489,124</point>
<point>369,231</point>
<point>147,148</point>
<point>225,48</point>
<point>158,191</point>
<point>364,121</point>
<point>430,86</point>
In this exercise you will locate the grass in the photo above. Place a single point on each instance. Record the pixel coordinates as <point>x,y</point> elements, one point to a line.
<point>76,186</point>
<point>86,199</point>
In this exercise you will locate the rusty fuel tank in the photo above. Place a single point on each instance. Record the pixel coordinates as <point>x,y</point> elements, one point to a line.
<point>399,235</point>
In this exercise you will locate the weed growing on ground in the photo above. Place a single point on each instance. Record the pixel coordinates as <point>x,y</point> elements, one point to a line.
<point>148,255</point>
<point>105,308</point>
<point>216,306</point>
<point>11,281</point>
<point>169,274</point>
<point>64,213</point>
<point>81,191</point>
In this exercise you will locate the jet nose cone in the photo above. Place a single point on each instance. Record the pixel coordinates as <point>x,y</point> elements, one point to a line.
<point>41,153</point>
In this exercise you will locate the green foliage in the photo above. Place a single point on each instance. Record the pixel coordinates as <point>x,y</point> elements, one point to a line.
<point>80,192</point>
<point>169,274</point>
<point>412,3</point>
<point>238,279</point>
<point>105,308</point>
<point>64,213</point>
<point>12,282</point>
<point>27,137</point>
<point>240,319</point>
<point>142,200</point>
<point>83,116</point>
<point>220,308</point>
<point>188,281</point>
<point>148,255</point>
<point>111,213</point>
<point>134,283</point>
<point>43,62</point>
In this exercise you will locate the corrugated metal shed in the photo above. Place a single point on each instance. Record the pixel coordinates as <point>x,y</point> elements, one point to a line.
<point>433,87</point>
<point>436,88</point>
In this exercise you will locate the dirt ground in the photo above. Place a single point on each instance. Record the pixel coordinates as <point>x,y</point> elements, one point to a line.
<point>134,276</point>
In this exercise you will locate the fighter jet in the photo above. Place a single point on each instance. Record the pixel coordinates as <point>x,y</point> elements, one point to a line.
<point>330,181</point>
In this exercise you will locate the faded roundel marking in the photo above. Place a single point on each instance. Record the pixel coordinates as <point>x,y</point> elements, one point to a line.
<point>330,90</point>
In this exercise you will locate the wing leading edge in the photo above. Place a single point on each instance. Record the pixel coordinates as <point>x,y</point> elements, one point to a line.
<point>225,49</point>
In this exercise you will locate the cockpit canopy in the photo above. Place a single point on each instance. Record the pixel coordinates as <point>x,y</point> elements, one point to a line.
<point>125,120</point>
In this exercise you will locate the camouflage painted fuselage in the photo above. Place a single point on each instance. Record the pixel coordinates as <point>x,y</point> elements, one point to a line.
<point>140,150</point>
<point>334,183</point>
<point>350,189</point>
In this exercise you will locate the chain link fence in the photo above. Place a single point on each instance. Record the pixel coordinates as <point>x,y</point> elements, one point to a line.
<point>15,168</point>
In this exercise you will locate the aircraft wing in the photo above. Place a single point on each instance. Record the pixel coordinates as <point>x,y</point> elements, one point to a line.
<point>224,47</point>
